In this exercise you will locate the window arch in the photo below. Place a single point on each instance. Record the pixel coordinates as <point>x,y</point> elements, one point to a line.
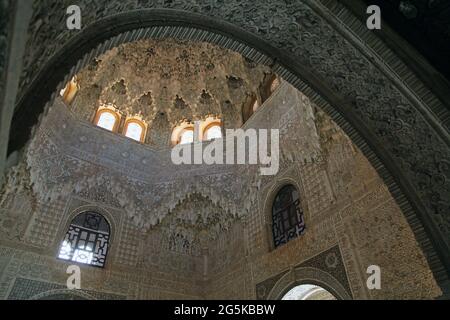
<point>213,131</point>
<point>287,216</point>
<point>87,240</point>
<point>107,118</point>
<point>70,91</point>
<point>135,129</point>
<point>183,134</point>
<point>186,136</point>
<point>308,292</point>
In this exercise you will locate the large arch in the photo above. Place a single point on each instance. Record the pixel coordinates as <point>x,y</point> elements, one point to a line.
<point>403,134</point>
<point>307,275</point>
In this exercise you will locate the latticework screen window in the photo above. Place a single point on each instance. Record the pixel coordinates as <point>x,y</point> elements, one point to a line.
<point>287,216</point>
<point>87,240</point>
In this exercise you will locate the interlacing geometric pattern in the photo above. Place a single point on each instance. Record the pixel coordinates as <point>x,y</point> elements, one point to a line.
<point>87,240</point>
<point>287,216</point>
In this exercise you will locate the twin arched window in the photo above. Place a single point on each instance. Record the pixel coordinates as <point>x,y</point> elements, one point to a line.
<point>87,240</point>
<point>206,130</point>
<point>287,216</point>
<point>110,119</point>
<point>255,101</point>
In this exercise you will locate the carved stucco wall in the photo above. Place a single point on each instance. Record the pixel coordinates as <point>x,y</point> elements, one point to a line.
<point>203,232</point>
<point>373,90</point>
<point>346,204</point>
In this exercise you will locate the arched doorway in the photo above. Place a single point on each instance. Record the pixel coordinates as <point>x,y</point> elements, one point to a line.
<point>403,140</point>
<point>302,281</point>
<point>308,292</point>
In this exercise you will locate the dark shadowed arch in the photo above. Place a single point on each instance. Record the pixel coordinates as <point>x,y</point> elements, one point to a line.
<point>416,171</point>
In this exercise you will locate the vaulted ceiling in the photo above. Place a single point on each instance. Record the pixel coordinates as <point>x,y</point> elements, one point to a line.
<point>169,81</point>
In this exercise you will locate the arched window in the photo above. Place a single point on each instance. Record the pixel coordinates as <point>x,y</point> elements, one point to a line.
<point>287,216</point>
<point>184,133</point>
<point>87,240</point>
<point>70,91</point>
<point>213,132</point>
<point>135,129</point>
<point>108,119</point>
<point>308,292</point>
<point>212,129</point>
<point>187,136</point>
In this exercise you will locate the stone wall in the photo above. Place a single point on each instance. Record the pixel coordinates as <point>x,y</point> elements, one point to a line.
<point>159,250</point>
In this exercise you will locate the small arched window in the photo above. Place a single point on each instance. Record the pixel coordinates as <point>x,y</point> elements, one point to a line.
<point>186,136</point>
<point>87,240</point>
<point>108,119</point>
<point>287,216</point>
<point>135,129</point>
<point>213,131</point>
<point>183,134</point>
<point>69,92</point>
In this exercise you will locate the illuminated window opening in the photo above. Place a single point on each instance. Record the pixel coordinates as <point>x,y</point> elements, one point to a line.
<point>207,130</point>
<point>187,136</point>
<point>107,118</point>
<point>212,132</point>
<point>183,134</point>
<point>87,240</point>
<point>107,121</point>
<point>135,129</point>
<point>70,91</point>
